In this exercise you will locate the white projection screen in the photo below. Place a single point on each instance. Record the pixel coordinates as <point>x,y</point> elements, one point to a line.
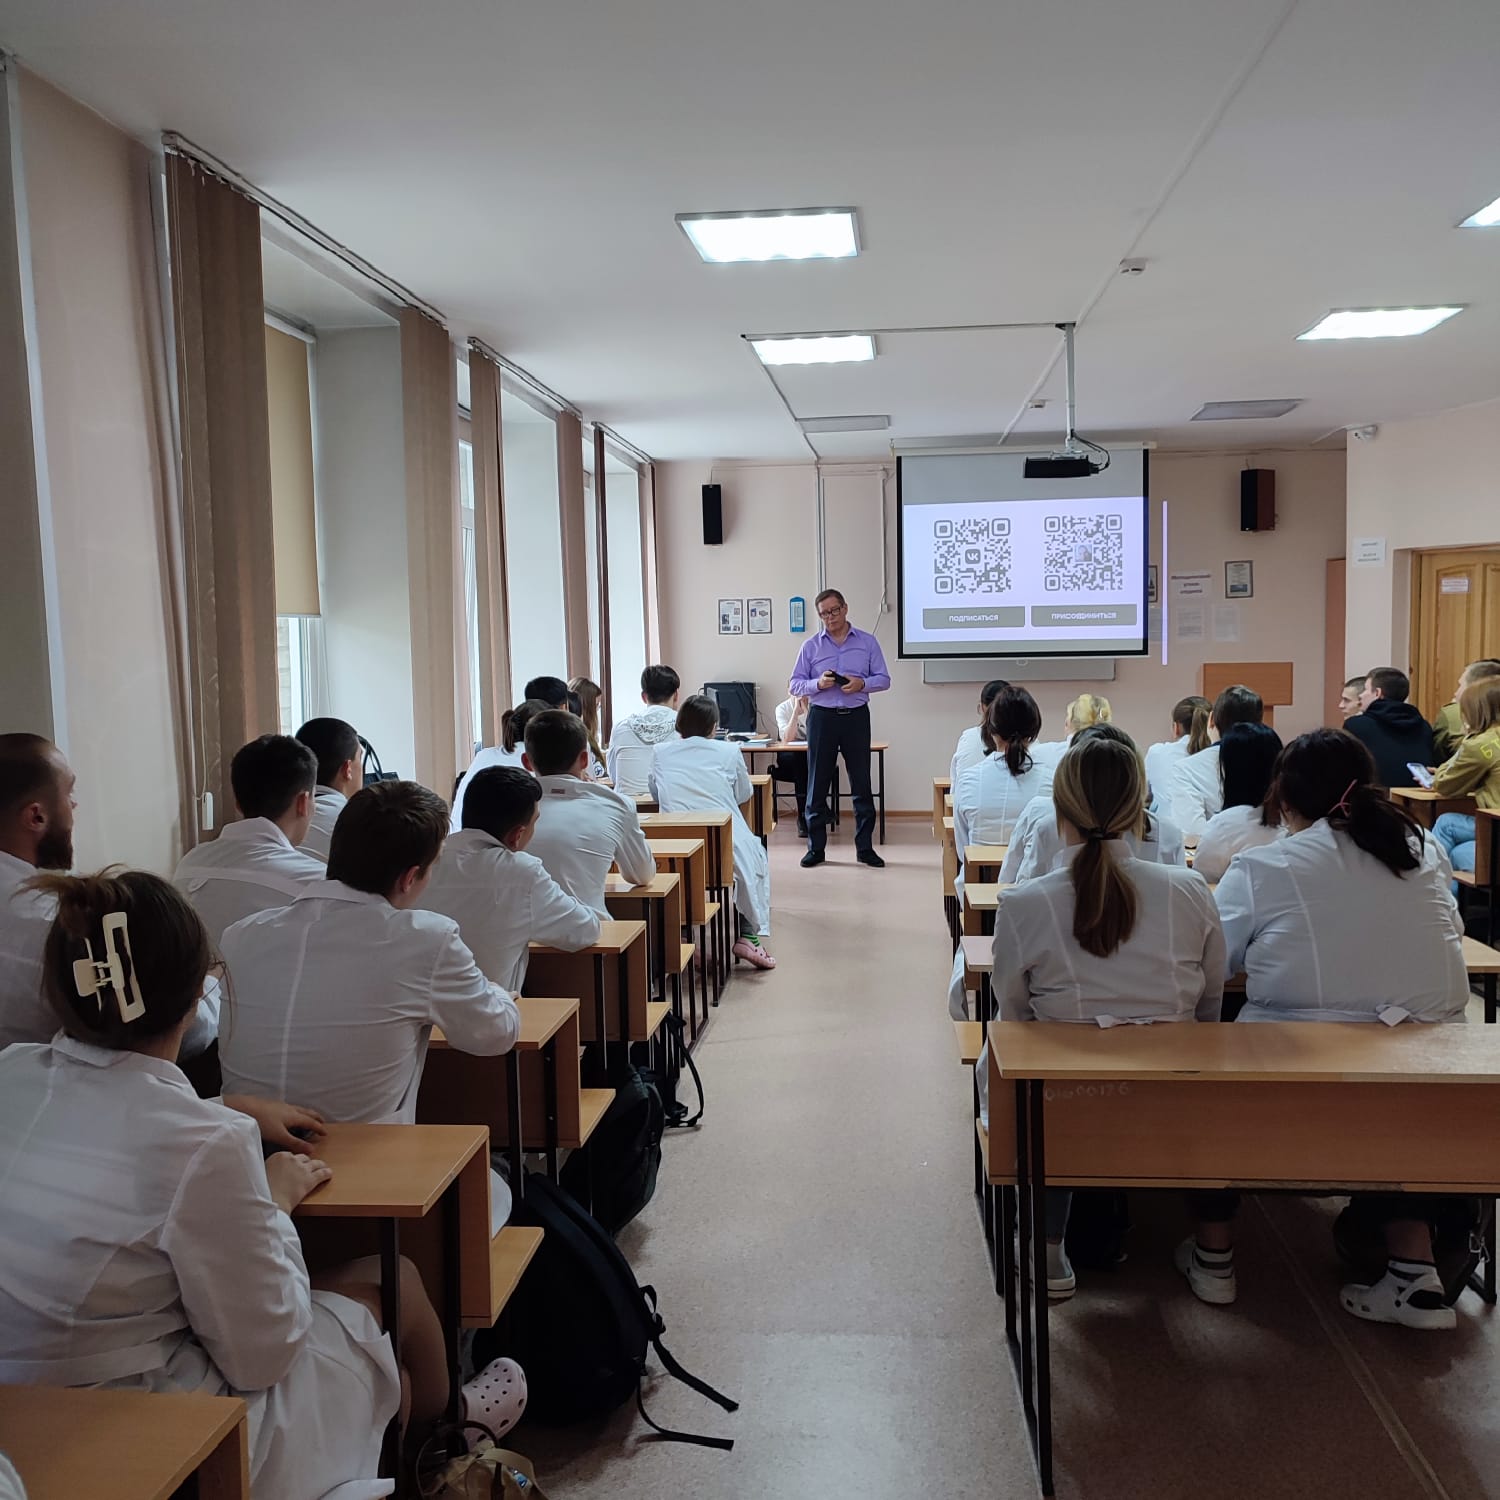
<point>991,563</point>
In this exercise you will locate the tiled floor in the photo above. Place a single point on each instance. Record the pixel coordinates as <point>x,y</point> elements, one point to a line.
<point>818,1257</point>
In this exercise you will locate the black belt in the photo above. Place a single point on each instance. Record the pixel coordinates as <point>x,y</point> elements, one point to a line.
<point>818,708</point>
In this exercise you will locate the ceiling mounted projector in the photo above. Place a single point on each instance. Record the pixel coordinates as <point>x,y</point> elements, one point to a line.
<point>1062,466</point>
<point>1077,457</point>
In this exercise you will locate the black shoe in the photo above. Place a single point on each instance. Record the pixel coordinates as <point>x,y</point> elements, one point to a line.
<point>811,858</point>
<point>871,858</point>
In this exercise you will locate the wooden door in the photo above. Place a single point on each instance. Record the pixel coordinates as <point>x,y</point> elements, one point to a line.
<point>1335,593</point>
<point>1455,620</point>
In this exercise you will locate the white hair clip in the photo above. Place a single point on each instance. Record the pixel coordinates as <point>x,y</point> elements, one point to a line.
<point>90,975</point>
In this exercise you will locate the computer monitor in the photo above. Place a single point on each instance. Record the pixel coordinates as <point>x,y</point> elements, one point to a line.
<point>736,703</point>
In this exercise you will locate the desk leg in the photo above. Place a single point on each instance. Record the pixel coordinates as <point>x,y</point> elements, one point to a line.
<point>601,1023</point>
<point>1005,1222</point>
<point>880,759</point>
<point>390,1315</point>
<point>1038,1092</point>
<point>515,1150</point>
<point>453,1298</point>
<point>1024,1259</point>
<point>549,1103</point>
<point>1489,998</point>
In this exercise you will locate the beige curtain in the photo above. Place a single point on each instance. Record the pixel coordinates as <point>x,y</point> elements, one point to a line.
<point>429,398</point>
<point>601,563</point>
<point>649,585</point>
<point>574,542</point>
<point>218,308</point>
<point>293,511</point>
<point>489,545</point>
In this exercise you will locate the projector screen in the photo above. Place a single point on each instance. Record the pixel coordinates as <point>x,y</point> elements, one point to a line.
<point>991,563</point>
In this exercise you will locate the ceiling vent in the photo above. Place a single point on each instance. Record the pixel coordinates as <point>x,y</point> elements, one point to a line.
<point>1242,411</point>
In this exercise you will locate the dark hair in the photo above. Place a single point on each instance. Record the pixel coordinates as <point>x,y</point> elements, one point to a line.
<point>553,691</point>
<point>513,721</point>
<point>698,717</point>
<point>1356,682</point>
<point>1014,721</point>
<point>554,741</point>
<point>1327,773</point>
<point>1191,716</point>
<point>1237,705</point>
<point>830,594</point>
<point>987,695</point>
<point>1390,682</point>
<point>1247,761</point>
<point>28,770</point>
<point>500,799</point>
<point>659,683</point>
<point>384,831</point>
<point>270,773</point>
<point>334,743</point>
<point>1100,788</point>
<point>164,950</point>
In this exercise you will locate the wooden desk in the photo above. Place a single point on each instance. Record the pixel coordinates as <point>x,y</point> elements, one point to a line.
<point>644,802</point>
<point>759,808</point>
<point>981,902</point>
<point>983,861</point>
<point>941,789</point>
<point>1426,806</point>
<point>688,860</point>
<point>658,904</point>
<point>1304,1106</point>
<point>799,747</point>
<point>611,978</point>
<point>716,829</point>
<point>124,1445</point>
<point>979,966</point>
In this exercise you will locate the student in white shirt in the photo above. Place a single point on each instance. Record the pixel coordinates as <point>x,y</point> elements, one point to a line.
<point>1190,720</point>
<point>1347,918</point>
<point>583,827</point>
<point>974,743</point>
<point>255,864</point>
<point>1105,938</point>
<point>1086,710</point>
<point>1195,793</point>
<point>341,773</point>
<point>791,729</point>
<point>587,695</point>
<point>501,897</point>
<point>695,773</point>
<point>1247,759</point>
<point>147,1244</point>
<point>988,798</point>
<point>634,740</point>
<point>511,751</point>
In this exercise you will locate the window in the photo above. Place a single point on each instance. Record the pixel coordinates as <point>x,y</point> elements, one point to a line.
<point>290,675</point>
<point>627,608</point>
<point>471,583</point>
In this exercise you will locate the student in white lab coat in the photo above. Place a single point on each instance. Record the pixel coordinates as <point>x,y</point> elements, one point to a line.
<point>341,773</point>
<point>634,740</point>
<point>588,693</point>
<point>583,827</point>
<point>511,751</point>
<point>1106,938</point>
<point>988,798</point>
<point>974,743</point>
<point>1195,792</point>
<point>1247,760</point>
<point>1347,918</point>
<point>1190,721</point>
<point>502,897</point>
<point>255,864</point>
<point>696,773</point>
<point>1086,710</point>
<point>146,1243</point>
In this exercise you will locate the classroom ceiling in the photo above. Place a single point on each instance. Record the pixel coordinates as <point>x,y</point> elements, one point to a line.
<point>519,167</point>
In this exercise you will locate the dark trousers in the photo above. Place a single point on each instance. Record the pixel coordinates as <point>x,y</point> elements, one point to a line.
<point>793,767</point>
<point>832,732</point>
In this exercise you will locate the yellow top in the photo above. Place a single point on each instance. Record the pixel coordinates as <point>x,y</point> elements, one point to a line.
<point>1447,731</point>
<point>1474,770</point>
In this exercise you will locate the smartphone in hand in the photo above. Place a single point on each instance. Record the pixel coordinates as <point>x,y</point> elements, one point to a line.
<point>1420,774</point>
<point>839,679</point>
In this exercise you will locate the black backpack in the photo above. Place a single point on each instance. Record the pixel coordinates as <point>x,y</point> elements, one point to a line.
<point>615,1173</point>
<point>579,1324</point>
<point>1098,1227</point>
<point>1461,1229</point>
<point>676,1113</point>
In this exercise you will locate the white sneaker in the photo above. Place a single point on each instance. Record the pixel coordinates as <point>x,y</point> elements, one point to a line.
<point>1208,1284</point>
<point>1061,1282</point>
<point>1389,1300</point>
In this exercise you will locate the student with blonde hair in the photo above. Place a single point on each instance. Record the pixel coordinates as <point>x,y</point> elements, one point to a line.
<point>1448,727</point>
<point>1190,721</point>
<point>1106,937</point>
<point>588,694</point>
<point>1086,710</point>
<point>1473,771</point>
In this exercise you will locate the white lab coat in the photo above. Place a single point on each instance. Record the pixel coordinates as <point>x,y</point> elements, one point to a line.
<point>632,744</point>
<point>791,727</point>
<point>1325,932</point>
<point>582,829</point>
<point>1170,968</point>
<point>699,775</point>
<point>493,756</point>
<point>1049,752</point>
<point>327,805</point>
<point>140,1249</point>
<point>1226,834</point>
<point>502,901</point>
<point>1195,792</point>
<point>1162,760</point>
<point>11,1487</point>
<point>252,866</point>
<point>987,799</point>
<point>970,750</point>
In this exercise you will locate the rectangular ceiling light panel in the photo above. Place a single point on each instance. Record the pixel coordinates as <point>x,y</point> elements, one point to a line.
<point>843,424</point>
<point>1242,411</point>
<point>1487,217</point>
<point>775,234</point>
<point>1378,322</point>
<point>816,349</point>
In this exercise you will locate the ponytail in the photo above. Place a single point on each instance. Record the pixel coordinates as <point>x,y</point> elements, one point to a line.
<point>1018,758</point>
<point>1327,773</point>
<point>1191,715</point>
<point>1100,788</point>
<point>513,723</point>
<point>1014,721</point>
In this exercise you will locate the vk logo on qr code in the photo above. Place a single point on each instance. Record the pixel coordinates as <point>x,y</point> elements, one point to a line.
<point>1083,554</point>
<point>971,556</point>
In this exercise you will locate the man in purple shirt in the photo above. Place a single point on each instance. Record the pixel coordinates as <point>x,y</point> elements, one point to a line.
<point>838,669</point>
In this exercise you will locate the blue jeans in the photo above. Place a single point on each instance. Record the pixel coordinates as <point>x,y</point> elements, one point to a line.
<point>1455,832</point>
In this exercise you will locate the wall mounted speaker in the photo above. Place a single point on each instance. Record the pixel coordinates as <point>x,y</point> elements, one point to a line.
<point>713,515</point>
<point>1257,499</point>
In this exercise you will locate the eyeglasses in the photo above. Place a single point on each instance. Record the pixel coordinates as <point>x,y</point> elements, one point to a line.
<point>829,614</point>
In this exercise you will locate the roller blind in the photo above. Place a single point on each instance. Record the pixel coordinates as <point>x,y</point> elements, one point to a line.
<point>293,517</point>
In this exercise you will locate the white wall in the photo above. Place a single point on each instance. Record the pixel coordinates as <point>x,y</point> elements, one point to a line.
<point>361,488</point>
<point>533,544</point>
<point>1430,482</point>
<point>770,549</point>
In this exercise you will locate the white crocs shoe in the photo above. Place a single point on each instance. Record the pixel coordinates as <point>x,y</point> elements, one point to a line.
<point>1404,1295</point>
<point>1211,1278</point>
<point>1061,1282</point>
<point>495,1398</point>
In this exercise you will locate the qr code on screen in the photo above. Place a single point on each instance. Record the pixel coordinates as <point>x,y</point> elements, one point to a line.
<point>1083,554</point>
<point>971,556</point>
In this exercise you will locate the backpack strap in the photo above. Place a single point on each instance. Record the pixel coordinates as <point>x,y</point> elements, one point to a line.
<point>680,1117</point>
<point>654,1330</point>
